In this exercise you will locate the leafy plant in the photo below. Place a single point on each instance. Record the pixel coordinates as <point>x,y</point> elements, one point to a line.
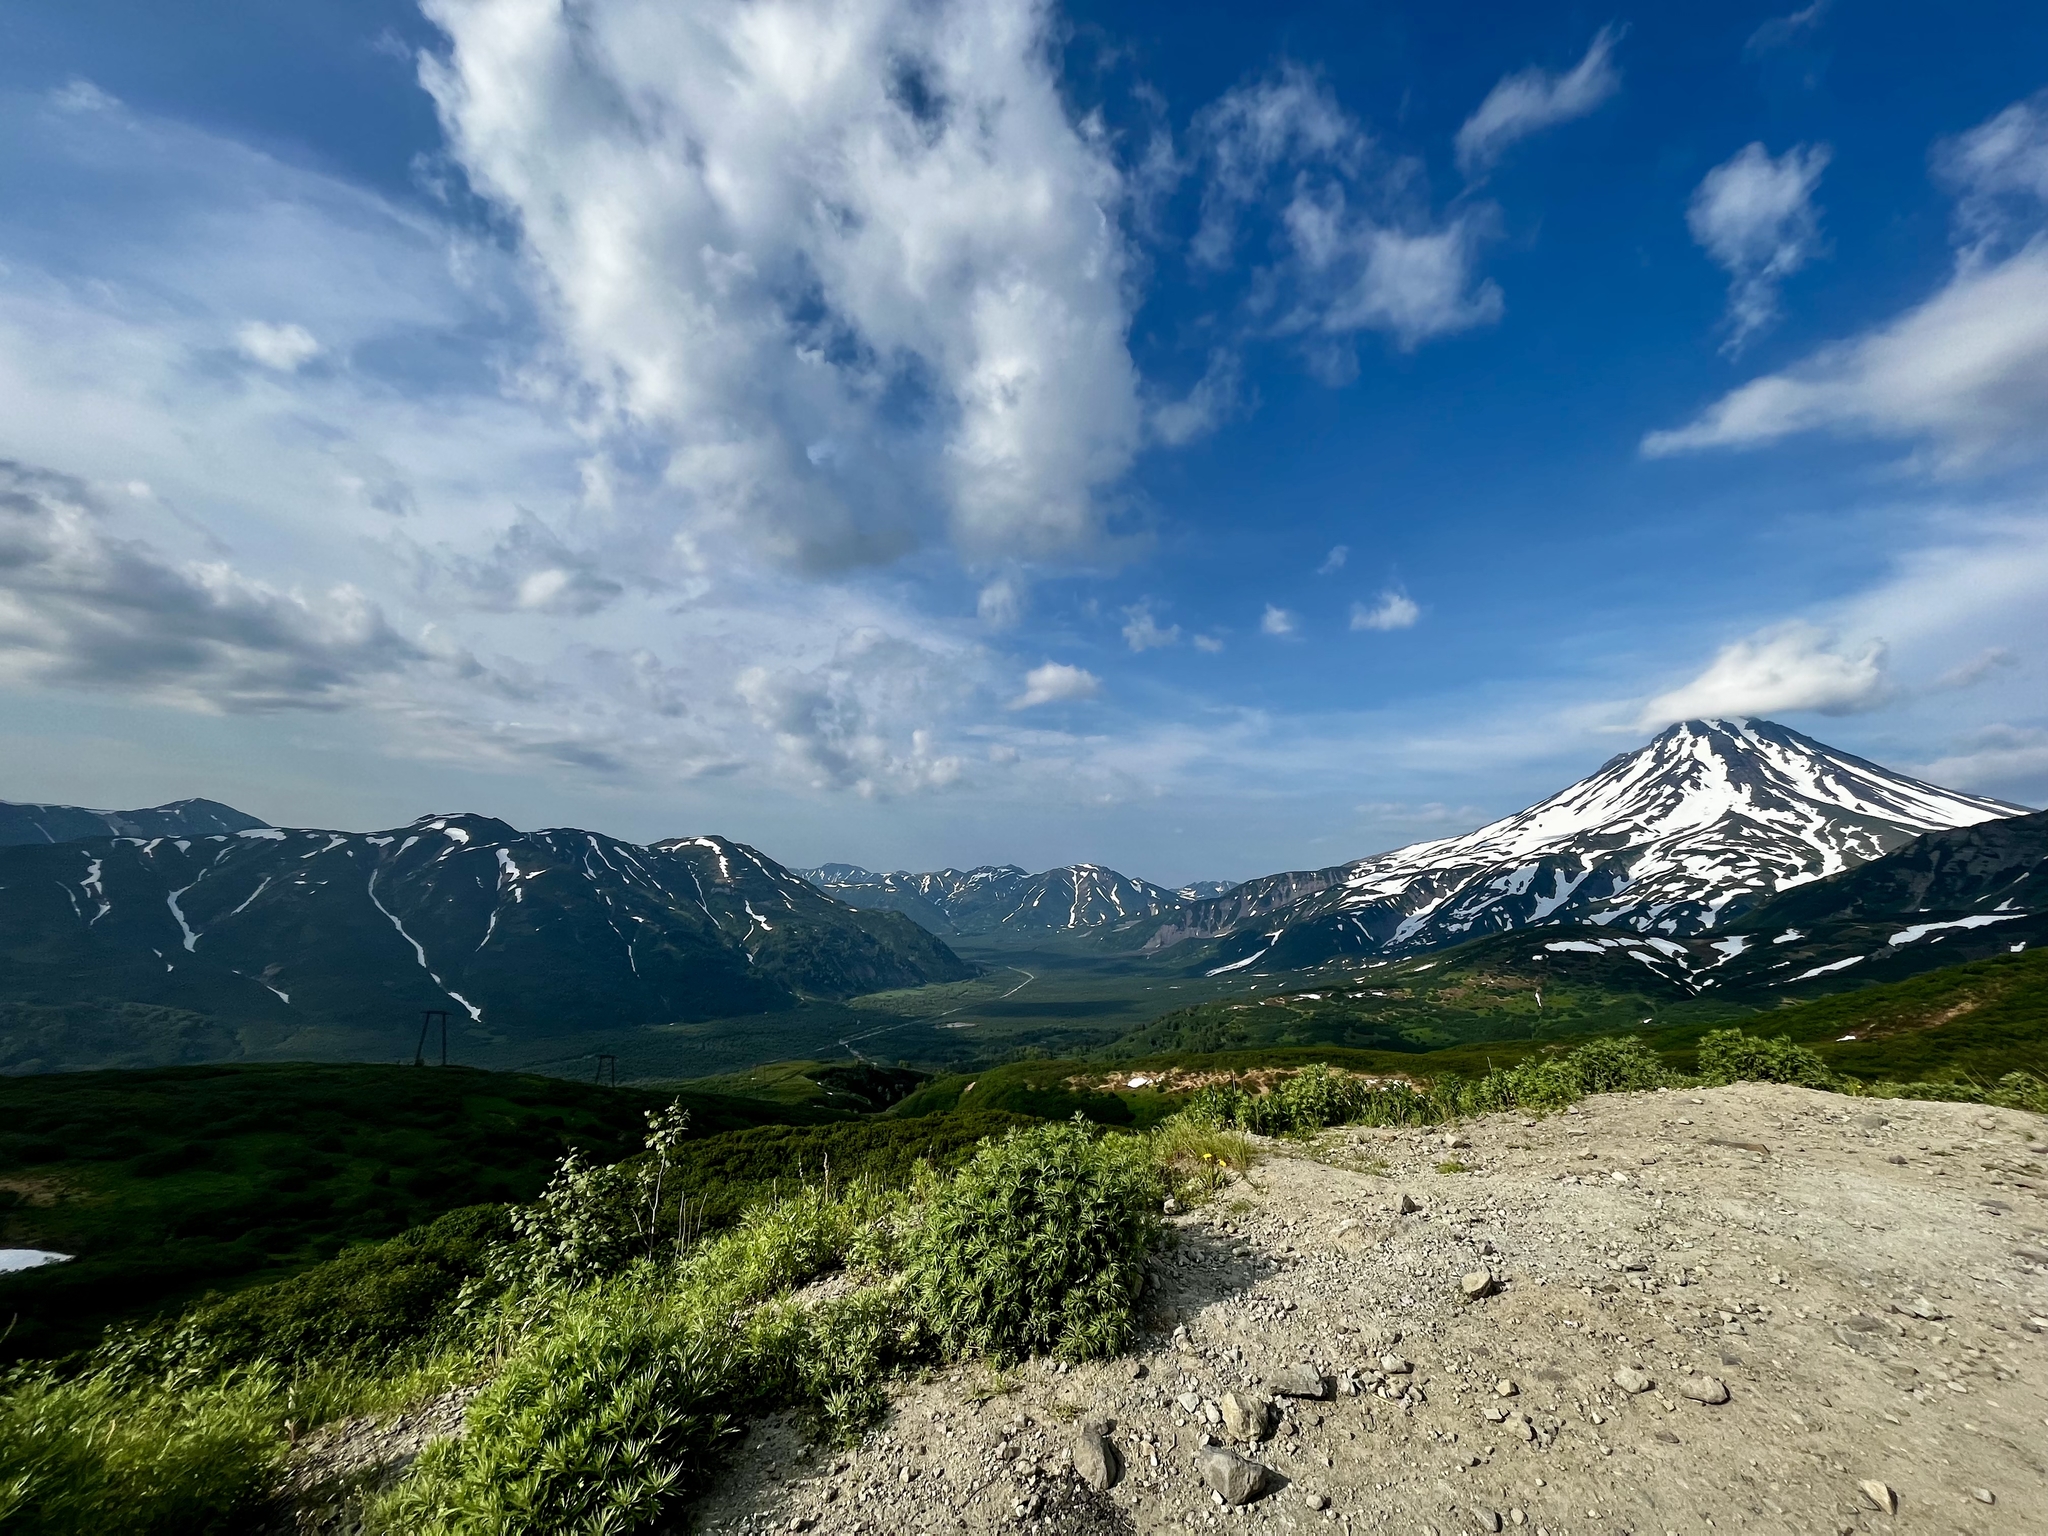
<point>1038,1244</point>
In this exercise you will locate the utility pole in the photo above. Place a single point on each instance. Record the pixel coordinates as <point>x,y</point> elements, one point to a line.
<point>606,1060</point>
<point>427,1017</point>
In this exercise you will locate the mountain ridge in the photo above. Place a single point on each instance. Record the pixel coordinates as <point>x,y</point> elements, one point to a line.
<point>31,822</point>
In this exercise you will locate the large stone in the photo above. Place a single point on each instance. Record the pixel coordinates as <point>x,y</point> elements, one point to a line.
<point>1297,1381</point>
<point>1478,1284</point>
<point>1246,1415</point>
<point>1096,1460</point>
<point>1234,1479</point>
<point>1704,1389</point>
<point>1629,1379</point>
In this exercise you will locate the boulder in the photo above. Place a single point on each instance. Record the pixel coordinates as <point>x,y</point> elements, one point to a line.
<point>1096,1460</point>
<point>1297,1381</point>
<point>1232,1478</point>
<point>1478,1284</point>
<point>1704,1389</point>
<point>1246,1415</point>
<point>1631,1380</point>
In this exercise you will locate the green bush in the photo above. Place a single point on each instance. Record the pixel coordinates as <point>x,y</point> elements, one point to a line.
<point>1730,1056</point>
<point>93,1454</point>
<point>1038,1244</point>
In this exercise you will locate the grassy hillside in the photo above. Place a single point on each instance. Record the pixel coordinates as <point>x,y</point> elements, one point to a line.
<point>168,1182</point>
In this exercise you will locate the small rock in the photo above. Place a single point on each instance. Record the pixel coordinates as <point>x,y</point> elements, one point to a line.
<point>1096,1460</point>
<point>1230,1476</point>
<point>1455,1142</point>
<point>1394,1365</point>
<point>1516,1517</point>
<point>1704,1389</point>
<point>1983,1495</point>
<point>1478,1284</point>
<point>1896,1158</point>
<point>1246,1415</point>
<point>1190,1402</point>
<point>1316,1501</point>
<point>1666,1436</point>
<point>1351,1233</point>
<point>2037,1145</point>
<point>1631,1380</point>
<point>1489,1519</point>
<point>1297,1381</point>
<point>1506,1388</point>
<point>1404,1205</point>
<point>1881,1495</point>
<point>1922,1308</point>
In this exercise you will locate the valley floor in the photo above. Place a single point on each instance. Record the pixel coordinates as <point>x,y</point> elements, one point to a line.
<point>1866,1279</point>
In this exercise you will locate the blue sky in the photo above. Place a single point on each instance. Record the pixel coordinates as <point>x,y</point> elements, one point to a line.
<point>1196,439</point>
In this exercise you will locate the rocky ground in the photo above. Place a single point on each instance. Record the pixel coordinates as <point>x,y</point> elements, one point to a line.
<point>1745,1309</point>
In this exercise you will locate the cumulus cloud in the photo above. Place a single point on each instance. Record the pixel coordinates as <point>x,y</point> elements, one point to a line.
<point>1534,99</point>
<point>1967,369</point>
<point>1755,216</point>
<point>1334,560</point>
<point>82,607</point>
<point>1142,631</point>
<point>1358,247</point>
<point>851,267</point>
<point>528,570</point>
<point>836,722</point>
<point>1057,683</point>
<point>1276,621</point>
<point>286,348</point>
<point>1788,667</point>
<point>1395,609</point>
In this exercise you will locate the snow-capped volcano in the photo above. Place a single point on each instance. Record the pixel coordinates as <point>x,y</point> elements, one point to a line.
<point>1709,819</point>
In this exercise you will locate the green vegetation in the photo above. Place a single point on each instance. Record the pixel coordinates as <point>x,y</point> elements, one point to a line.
<point>1037,1245</point>
<point>172,1181</point>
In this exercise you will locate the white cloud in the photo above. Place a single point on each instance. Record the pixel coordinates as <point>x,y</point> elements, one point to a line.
<point>1205,407</point>
<point>1999,172</point>
<point>1533,99</point>
<point>1000,604</point>
<point>1208,644</point>
<point>835,721</point>
<point>1781,30</point>
<point>287,348</point>
<point>1276,621</point>
<point>1993,759</point>
<point>850,266</point>
<point>1142,631</point>
<point>1334,560</point>
<point>1359,247</point>
<point>1789,667</point>
<point>1394,610</point>
<point>1966,370</point>
<point>1755,216</point>
<point>1056,683</point>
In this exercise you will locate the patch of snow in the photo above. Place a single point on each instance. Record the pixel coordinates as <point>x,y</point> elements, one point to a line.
<point>1789,936</point>
<point>1822,970</point>
<point>1921,930</point>
<point>1574,946</point>
<point>273,834</point>
<point>1235,965</point>
<point>12,1259</point>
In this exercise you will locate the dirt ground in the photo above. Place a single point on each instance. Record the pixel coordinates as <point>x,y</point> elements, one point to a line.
<point>1867,1281</point>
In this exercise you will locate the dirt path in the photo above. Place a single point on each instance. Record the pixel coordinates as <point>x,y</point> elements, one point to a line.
<point>1867,1281</point>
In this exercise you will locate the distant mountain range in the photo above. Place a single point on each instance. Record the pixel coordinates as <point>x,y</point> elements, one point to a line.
<point>65,823</point>
<point>274,932</point>
<point>1003,899</point>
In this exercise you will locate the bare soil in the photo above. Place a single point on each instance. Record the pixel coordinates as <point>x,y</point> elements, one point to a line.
<point>1867,1280</point>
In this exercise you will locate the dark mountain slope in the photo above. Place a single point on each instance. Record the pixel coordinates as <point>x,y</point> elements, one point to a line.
<point>328,941</point>
<point>67,823</point>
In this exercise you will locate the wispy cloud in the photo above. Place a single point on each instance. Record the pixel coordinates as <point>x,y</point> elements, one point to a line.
<point>1277,621</point>
<point>1334,560</point>
<point>1967,369</point>
<point>1779,31</point>
<point>1534,99</point>
<point>1755,216</point>
<point>287,348</point>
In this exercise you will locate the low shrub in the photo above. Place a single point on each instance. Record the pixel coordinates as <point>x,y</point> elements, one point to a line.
<point>1730,1056</point>
<point>1037,1245</point>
